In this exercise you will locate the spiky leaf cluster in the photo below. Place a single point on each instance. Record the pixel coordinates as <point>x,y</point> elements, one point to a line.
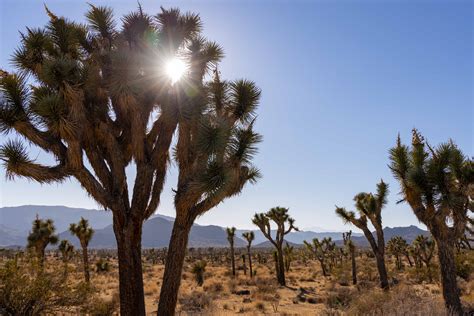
<point>436,182</point>
<point>83,231</point>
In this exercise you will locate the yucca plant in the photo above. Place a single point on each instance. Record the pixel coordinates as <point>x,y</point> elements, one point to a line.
<point>351,248</point>
<point>397,247</point>
<point>230,238</point>
<point>321,251</point>
<point>288,251</point>
<point>40,236</point>
<point>67,252</point>
<point>249,237</point>
<point>424,248</point>
<point>370,207</point>
<point>198,270</point>
<point>84,232</point>
<point>284,224</point>
<point>438,184</point>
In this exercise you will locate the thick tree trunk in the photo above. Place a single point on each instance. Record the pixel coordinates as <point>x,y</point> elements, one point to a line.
<point>380,258</point>
<point>85,261</point>
<point>448,276</point>
<point>173,268</point>
<point>250,264</point>
<point>281,268</point>
<point>354,269</point>
<point>232,258</point>
<point>132,298</point>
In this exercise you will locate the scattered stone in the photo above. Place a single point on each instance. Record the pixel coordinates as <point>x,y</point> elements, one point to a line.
<point>246,300</point>
<point>243,292</point>
<point>312,300</point>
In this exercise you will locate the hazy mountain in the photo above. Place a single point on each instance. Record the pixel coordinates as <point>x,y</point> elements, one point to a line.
<point>15,223</point>
<point>268,244</point>
<point>296,237</point>
<point>408,233</point>
<point>156,234</point>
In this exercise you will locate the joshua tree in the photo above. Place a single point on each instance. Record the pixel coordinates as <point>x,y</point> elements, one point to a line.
<point>438,184</point>
<point>214,151</point>
<point>370,206</point>
<point>289,256</point>
<point>321,251</point>
<point>198,270</point>
<point>424,249</point>
<point>84,232</point>
<point>280,216</point>
<point>397,246</point>
<point>101,102</point>
<point>67,251</point>
<point>249,237</point>
<point>230,239</point>
<point>41,235</point>
<point>244,262</point>
<point>351,249</point>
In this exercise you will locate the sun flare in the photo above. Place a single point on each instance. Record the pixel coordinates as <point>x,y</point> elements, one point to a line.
<point>175,69</point>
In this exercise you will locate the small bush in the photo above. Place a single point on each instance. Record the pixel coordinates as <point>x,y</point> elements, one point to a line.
<point>101,307</point>
<point>102,266</point>
<point>198,270</point>
<point>23,292</point>
<point>196,302</point>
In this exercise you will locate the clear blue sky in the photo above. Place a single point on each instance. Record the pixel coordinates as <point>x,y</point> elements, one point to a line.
<point>340,79</point>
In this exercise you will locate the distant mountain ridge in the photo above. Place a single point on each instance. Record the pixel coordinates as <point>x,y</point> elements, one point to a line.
<point>15,223</point>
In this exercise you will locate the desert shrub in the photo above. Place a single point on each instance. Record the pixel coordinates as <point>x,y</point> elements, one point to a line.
<point>195,302</point>
<point>214,287</point>
<point>102,307</point>
<point>266,286</point>
<point>23,292</point>
<point>102,266</point>
<point>339,298</point>
<point>260,306</point>
<point>400,300</point>
<point>198,270</point>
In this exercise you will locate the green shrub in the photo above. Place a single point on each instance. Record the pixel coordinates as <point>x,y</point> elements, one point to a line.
<point>102,266</point>
<point>465,264</point>
<point>23,292</point>
<point>198,270</point>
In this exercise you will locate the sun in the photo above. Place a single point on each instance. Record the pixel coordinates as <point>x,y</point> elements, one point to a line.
<point>175,69</point>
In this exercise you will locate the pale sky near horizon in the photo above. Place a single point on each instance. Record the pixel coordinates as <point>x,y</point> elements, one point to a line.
<point>340,80</point>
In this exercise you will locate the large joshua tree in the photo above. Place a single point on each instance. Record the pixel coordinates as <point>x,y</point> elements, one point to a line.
<point>214,151</point>
<point>370,207</point>
<point>249,237</point>
<point>41,235</point>
<point>104,99</point>
<point>230,238</point>
<point>438,184</point>
<point>84,233</point>
<point>284,225</point>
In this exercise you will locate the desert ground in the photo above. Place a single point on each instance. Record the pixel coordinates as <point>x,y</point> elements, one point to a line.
<point>307,292</point>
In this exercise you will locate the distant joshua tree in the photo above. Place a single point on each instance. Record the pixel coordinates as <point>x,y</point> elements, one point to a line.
<point>230,238</point>
<point>249,237</point>
<point>41,235</point>
<point>397,246</point>
<point>370,206</point>
<point>67,252</point>
<point>84,232</point>
<point>349,244</point>
<point>438,184</point>
<point>322,251</point>
<point>424,249</point>
<point>284,224</point>
<point>288,250</point>
<point>198,270</point>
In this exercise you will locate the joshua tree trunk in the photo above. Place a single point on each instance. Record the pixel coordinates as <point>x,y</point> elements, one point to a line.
<point>85,261</point>
<point>354,268</point>
<point>174,266</point>
<point>232,258</point>
<point>448,276</point>
<point>128,235</point>
<point>380,258</point>
<point>281,267</point>
<point>250,263</point>
<point>409,260</point>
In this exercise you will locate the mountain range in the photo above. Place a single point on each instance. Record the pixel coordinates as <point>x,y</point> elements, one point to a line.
<point>15,223</point>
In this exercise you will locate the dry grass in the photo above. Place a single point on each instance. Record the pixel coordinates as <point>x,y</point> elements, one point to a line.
<point>307,293</point>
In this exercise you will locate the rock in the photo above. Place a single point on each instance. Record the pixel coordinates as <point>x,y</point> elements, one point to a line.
<point>243,292</point>
<point>312,300</point>
<point>247,300</point>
